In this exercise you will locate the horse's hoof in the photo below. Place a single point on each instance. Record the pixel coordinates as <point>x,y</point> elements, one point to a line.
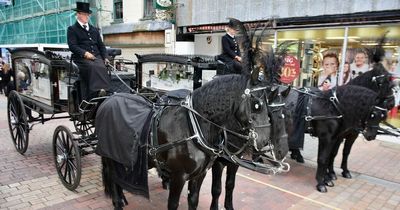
<point>165,185</point>
<point>229,208</point>
<point>332,175</point>
<point>321,188</point>
<point>346,174</point>
<point>214,207</point>
<point>329,183</point>
<point>300,159</point>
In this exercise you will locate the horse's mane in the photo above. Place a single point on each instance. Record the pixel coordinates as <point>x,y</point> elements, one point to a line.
<point>355,102</point>
<point>220,95</point>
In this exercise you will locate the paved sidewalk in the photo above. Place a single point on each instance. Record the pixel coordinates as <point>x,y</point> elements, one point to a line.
<point>30,181</point>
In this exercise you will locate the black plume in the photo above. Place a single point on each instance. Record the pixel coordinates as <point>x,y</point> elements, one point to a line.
<point>274,61</point>
<point>377,53</point>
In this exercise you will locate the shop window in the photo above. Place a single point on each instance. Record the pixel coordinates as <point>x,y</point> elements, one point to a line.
<point>149,10</point>
<point>309,47</point>
<point>118,10</point>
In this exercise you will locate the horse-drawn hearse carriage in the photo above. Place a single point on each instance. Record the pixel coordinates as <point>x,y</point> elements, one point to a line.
<point>47,87</point>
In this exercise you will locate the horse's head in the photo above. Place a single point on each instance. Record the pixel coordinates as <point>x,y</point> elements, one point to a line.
<point>382,83</point>
<point>252,113</point>
<point>377,115</point>
<point>279,137</point>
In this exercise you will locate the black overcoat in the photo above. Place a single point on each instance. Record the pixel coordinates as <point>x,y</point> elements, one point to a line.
<point>93,72</point>
<point>230,48</point>
<point>80,40</point>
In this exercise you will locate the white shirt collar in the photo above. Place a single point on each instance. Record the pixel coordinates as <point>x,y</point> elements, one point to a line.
<point>87,25</point>
<point>233,36</point>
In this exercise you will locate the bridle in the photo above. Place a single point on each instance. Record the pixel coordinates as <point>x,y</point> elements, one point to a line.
<point>378,82</point>
<point>372,115</point>
<point>274,166</point>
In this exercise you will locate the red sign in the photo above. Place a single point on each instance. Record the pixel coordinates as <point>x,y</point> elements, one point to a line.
<point>291,69</point>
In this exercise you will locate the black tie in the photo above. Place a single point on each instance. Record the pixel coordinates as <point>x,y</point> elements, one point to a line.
<point>85,27</point>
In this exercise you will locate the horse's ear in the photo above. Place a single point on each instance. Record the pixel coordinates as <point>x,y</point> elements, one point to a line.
<point>286,92</point>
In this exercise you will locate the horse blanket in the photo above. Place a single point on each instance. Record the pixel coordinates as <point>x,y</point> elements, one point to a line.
<point>122,127</point>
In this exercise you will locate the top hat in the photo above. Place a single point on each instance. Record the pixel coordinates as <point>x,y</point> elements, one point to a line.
<point>83,7</point>
<point>231,24</point>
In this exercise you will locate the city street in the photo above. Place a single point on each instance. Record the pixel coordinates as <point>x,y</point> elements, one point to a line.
<point>30,181</point>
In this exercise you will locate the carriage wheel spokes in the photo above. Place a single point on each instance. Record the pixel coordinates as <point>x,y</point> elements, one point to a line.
<point>84,128</point>
<point>67,157</point>
<point>18,122</point>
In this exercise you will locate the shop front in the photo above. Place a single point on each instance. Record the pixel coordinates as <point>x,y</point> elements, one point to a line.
<point>308,46</point>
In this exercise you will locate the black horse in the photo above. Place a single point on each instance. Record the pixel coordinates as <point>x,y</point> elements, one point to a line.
<point>278,137</point>
<point>379,80</point>
<point>331,116</point>
<point>271,64</point>
<point>227,101</point>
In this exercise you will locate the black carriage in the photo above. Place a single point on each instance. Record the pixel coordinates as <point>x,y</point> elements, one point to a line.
<point>47,87</point>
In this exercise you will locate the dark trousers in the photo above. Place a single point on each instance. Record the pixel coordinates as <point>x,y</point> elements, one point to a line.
<point>94,77</point>
<point>232,67</point>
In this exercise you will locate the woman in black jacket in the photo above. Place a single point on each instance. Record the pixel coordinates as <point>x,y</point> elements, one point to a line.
<point>230,50</point>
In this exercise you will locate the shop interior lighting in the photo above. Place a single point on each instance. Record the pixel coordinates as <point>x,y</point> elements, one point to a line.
<point>342,37</point>
<point>285,39</point>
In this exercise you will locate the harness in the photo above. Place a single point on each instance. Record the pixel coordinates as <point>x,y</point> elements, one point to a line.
<point>198,137</point>
<point>335,101</point>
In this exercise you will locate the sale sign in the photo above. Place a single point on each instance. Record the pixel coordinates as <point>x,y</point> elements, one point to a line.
<point>291,69</point>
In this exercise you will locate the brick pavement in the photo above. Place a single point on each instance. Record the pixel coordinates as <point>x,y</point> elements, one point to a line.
<point>30,181</point>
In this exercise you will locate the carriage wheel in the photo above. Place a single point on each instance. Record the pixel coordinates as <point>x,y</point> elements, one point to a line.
<point>18,122</point>
<point>67,157</point>
<point>85,128</point>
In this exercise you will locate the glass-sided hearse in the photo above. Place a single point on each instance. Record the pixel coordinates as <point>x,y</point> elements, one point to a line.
<point>46,87</point>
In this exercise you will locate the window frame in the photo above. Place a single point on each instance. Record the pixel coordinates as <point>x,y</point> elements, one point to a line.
<point>118,19</point>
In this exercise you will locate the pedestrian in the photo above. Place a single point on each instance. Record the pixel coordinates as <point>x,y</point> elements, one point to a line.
<point>1,75</point>
<point>88,53</point>
<point>230,50</point>
<point>6,75</point>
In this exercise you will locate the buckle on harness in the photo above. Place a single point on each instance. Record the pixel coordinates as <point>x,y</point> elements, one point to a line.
<point>308,118</point>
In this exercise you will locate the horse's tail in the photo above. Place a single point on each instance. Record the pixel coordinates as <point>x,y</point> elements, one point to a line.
<point>107,178</point>
<point>111,189</point>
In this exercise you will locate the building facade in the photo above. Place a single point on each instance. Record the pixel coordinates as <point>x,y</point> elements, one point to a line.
<point>315,26</point>
<point>136,26</point>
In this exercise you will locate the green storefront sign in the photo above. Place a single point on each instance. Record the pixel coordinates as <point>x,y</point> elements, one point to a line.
<point>163,4</point>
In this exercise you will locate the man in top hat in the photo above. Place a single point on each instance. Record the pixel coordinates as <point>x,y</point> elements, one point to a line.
<point>89,53</point>
<point>230,50</point>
